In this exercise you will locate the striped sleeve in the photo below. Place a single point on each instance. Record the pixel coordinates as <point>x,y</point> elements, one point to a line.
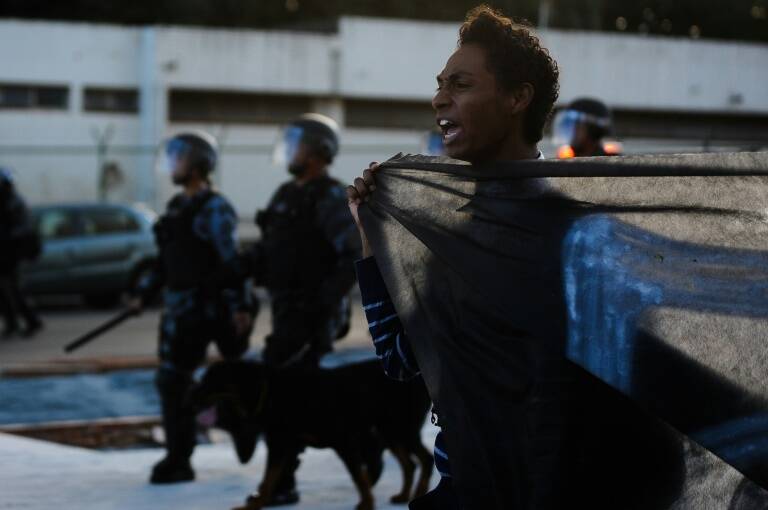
<point>392,345</point>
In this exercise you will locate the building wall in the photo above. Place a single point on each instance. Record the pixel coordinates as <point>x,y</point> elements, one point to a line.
<point>400,59</point>
<point>284,62</point>
<point>370,65</point>
<point>636,72</point>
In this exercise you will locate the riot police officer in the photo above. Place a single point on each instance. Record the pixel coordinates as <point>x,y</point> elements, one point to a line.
<point>305,257</point>
<point>580,129</point>
<point>205,298</point>
<point>306,253</point>
<point>18,241</point>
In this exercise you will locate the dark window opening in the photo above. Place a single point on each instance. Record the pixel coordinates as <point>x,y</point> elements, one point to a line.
<point>235,107</point>
<point>111,100</point>
<point>690,126</point>
<point>389,114</point>
<point>42,97</point>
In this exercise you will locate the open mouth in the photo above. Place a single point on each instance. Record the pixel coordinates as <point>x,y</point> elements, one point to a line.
<point>450,130</point>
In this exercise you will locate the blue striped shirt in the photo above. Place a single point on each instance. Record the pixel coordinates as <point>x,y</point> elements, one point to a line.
<point>392,345</point>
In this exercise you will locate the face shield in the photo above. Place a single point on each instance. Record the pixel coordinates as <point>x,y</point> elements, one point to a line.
<point>174,151</point>
<point>567,121</point>
<point>5,177</point>
<point>6,183</point>
<point>564,128</point>
<point>287,146</point>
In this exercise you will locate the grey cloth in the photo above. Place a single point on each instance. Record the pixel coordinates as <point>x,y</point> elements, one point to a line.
<point>592,329</point>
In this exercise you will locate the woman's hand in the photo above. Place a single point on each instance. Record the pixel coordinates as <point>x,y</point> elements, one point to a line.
<point>358,193</point>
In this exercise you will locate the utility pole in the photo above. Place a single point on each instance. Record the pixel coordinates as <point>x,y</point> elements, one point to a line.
<point>545,10</point>
<point>149,113</point>
<point>102,138</point>
<point>595,16</point>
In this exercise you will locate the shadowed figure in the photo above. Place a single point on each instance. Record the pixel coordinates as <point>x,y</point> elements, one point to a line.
<point>476,262</point>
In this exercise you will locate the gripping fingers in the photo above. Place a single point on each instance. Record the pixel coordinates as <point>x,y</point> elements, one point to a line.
<point>362,188</point>
<point>352,194</point>
<point>369,180</point>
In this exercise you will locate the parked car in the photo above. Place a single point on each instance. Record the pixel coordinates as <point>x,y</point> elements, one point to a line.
<point>96,250</point>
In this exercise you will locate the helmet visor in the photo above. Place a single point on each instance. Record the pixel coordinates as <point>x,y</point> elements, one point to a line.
<point>565,125</point>
<point>5,176</point>
<point>173,151</point>
<point>287,146</point>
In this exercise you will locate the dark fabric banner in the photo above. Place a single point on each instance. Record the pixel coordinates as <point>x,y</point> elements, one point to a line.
<point>593,332</point>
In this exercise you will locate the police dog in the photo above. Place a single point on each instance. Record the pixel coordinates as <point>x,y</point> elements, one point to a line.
<point>353,409</point>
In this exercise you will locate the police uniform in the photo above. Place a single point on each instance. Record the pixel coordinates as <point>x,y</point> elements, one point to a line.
<point>204,288</point>
<point>18,241</point>
<point>305,259</point>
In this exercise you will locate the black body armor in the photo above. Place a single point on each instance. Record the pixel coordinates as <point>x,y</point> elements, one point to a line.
<point>188,261</point>
<point>296,254</point>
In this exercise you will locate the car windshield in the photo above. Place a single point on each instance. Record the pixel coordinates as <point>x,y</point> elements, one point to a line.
<point>56,223</point>
<point>106,220</point>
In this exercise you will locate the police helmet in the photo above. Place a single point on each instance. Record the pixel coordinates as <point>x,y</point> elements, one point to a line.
<point>200,147</point>
<point>6,179</point>
<point>591,112</point>
<point>314,130</point>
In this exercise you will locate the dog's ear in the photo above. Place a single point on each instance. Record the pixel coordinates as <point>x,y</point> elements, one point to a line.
<point>244,433</point>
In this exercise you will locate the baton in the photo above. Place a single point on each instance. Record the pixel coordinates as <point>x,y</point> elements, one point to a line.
<point>111,323</point>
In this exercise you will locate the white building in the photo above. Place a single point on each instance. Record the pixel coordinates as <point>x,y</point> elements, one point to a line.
<point>64,86</point>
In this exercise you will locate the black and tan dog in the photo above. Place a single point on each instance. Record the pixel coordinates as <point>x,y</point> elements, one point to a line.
<point>354,409</point>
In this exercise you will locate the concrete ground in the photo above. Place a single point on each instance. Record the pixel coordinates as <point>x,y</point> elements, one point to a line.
<point>44,475</point>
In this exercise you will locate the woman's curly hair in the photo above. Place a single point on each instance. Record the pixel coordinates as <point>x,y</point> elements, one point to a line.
<point>515,56</point>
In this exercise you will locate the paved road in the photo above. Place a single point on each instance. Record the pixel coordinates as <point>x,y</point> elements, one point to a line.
<point>134,340</point>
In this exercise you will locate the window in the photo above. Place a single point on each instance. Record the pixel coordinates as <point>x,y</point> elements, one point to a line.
<point>106,220</point>
<point>56,224</point>
<point>389,114</point>
<point>235,107</point>
<point>111,100</point>
<point>42,97</point>
<point>690,125</point>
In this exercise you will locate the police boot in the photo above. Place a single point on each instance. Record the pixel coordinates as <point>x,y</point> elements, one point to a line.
<point>283,498</point>
<point>32,328</point>
<point>280,498</point>
<point>11,326</point>
<point>172,470</point>
<point>179,427</point>
<point>285,492</point>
